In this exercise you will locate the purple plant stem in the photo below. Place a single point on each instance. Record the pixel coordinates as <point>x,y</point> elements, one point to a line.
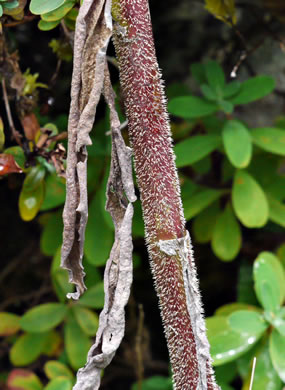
<point>150,136</point>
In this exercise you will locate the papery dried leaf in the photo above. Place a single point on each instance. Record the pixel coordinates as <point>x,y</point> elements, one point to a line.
<point>118,271</point>
<point>93,31</point>
<point>30,125</point>
<point>8,164</point>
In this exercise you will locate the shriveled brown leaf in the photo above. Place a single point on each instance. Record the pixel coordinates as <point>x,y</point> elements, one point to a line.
<point>8,164</point>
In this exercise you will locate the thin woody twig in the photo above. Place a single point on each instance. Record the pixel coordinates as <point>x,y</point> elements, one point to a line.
<point>15,134</point>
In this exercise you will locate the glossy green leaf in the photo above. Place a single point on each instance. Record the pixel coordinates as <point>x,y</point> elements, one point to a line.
<point>195,148</point>
<point>269,281</point>
<point>20,379</point>
<point>204,223</point>
<point>249,201</point>
<point>199,201</point>
<point>54,192</point>
<point>198,72</point>
<point>225,373</point>
<point>47,26</point>
<point>215,76</point>
<point>11,4</point>
<point>87,320</point>
<point>155,382</point>
<point>226,345</point>
<point>54,368</point>
<point>53,343</point>
<point>27,348</point>
<point>51,237</point>
<point>278,320</point>
<point>226,240</point>
<point>60,278</point>
<point>265,377</point>
<point>34,178</point>
<point>1,10</point>
<point>226,106</point>
<point>9,324</point>
<point>270,139</point>
<point>254,89</point>
<point>231,89</point>
<point>237,143</point>
<point>188,107</point>
<point>245,286</point>
<point>276,211</point>
<point>209,93</point>
<point>245,321</point>
<point>99,236</point>
<point>59,383</point>
<point>30,202</point>
<point>60,12</point>
<point>39,7</point>
<point>277,348</point>
<point>93,297</point>
<point>18,154</point>
<point>230,308</point>
<point>77,343</point>
<point>43,317</point>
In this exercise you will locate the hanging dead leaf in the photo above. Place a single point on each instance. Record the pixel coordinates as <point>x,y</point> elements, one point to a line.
<point>8,165</point>
<point>30,125</point>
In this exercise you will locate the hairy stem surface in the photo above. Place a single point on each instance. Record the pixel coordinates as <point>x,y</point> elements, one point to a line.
<point>168,241</point>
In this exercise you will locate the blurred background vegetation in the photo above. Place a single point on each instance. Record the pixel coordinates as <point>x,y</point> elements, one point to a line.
<point>224,68</point>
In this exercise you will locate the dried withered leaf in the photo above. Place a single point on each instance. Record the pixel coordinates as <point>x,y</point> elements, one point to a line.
<point>118,271</point>
<point>30,125</point>
<point>8,164</point>
<point>93,32</point>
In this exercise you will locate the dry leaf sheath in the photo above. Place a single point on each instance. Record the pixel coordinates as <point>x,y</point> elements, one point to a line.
<point>168,241</point>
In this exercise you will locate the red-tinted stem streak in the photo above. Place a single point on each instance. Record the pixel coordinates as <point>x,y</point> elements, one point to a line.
<point>150,136</point>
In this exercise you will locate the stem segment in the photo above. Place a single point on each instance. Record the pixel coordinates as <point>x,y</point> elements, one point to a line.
<point>168,241</point>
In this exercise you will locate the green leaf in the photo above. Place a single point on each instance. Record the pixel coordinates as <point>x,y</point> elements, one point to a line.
<point>230,308</point>
<point>59,383</point>
<point>199,201</point>
<point>60,278</point>
<point>209,93</point>
<point>226,106</point>
<point>11,4</point>
<point>226,240</point>
<point>231,89</point>
<point>265,377</point>
<point>215,76</point>
<point>54,192</point>
<point>226,344</point>
<point>269,281</point>
<point>155,382</point>
<point>21,379</point>
<point>77,343</point>
<point>237,143</point>
<point>27,348</point>
<point>277,348</point>
<point>93,297</point>
<point>60,12</point>
<point>87,320</point>
<point>188,107</point>
<point>270,139</point>
<point>254,89</point>
<point>225,373</point>
<point>195,148</point>
<point>99,236</point>
<point>47,26</point>
<point>53,369</point>
<point>39,7</point>
<point>9,324</point>
<point>276,211</point>
<point>198,72</point>
<point>138,224</point>
<point>1,10</point>
<point>34,178</point>
<point>249,201</point>
<point>51,237</point>
<point>43,317</point>
<point>245,321</point>
<point>30,202</point>
<point>204,223</point>
<point>18,154</point>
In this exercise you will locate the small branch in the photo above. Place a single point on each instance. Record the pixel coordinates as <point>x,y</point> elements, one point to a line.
<point>15,134</point>
<point>26,19</point>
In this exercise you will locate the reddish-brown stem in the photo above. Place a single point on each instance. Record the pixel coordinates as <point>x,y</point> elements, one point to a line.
<point>170,251</point>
